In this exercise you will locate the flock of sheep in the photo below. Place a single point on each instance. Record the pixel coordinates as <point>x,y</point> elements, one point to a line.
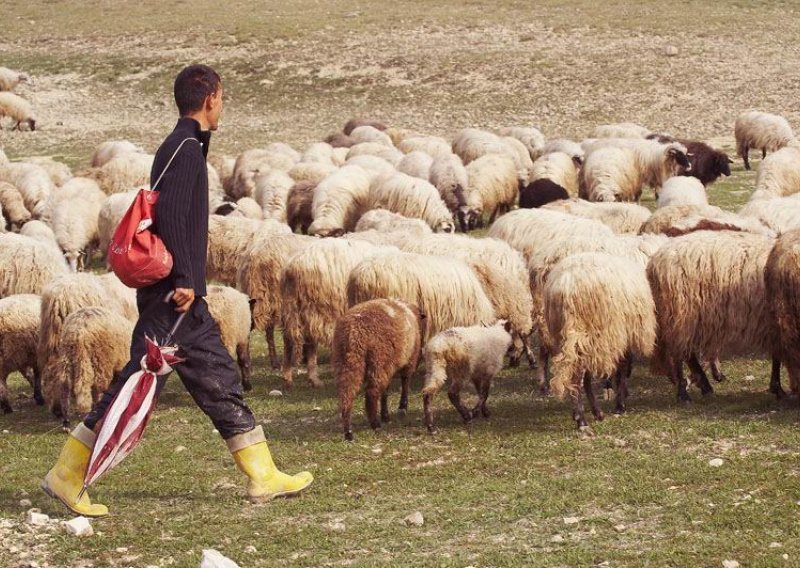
<point>571,263</point>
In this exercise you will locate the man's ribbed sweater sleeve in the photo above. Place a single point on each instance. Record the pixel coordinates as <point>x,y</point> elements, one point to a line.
<point>176,193</point>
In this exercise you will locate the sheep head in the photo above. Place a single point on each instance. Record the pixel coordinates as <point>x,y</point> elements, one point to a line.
<point>678,159</point>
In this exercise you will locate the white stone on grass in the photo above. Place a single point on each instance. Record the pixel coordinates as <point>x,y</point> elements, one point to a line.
<point>716,462</point>
<point>414,519</point>
<point>79,526</point>
<point>214,559</point>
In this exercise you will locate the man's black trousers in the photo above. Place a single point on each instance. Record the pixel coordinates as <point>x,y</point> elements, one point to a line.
<point>209,373</point>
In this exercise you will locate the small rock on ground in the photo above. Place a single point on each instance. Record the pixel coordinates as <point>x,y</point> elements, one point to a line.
<point>730,564</point>
<point>214,559</point>
<point>571,520</point>
<point>36,518</point>
<point>414,519</point>
<point>275,393</point>
<point>79,526</point>
<point>716,462</point>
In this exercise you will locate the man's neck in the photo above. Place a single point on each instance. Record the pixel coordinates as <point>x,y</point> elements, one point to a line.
<point>201,120</point>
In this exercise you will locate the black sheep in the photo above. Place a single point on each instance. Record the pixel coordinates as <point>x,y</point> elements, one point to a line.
<point>541,192</point>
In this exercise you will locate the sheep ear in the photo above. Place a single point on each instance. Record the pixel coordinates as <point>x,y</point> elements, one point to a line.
<point>730,161</point>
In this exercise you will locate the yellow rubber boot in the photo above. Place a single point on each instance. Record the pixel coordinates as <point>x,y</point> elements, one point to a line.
<point>251,454</point>
<point>65,480</point>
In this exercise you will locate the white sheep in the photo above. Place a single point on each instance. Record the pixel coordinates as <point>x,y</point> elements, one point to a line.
<point>682,190</point>
<point>339,200</point>
<point>13,206</point>
<point>676,220</point>
<point>388,153</point>
<point>107,150</point>
<point>228,238</point>
<point>111,213</point>
<point>272,193</point>
<point>223,165</point>
<point>386,222</point>
<point>781,214</point>
<point>464,354</point>
<point>411,197</point>
<point>317,153</point>
<point>569,147</point>
<point>59,172</point>
<point>416,164</point>
<point>621,217</point>
<point>123,172</point>
<point>434,146</point>
<point>367,133</point>
<point>231,310</point>
<point>472,143</point>
<point>75,211</point>
<point>619,174</point>
<point>558,167</point>
<point>599,311</point>
<point>41,231</point>
<point>493,187</point>
<point>9,79</point>
<point>449,176</point>
<point>779,173</point>
<point>18,109</point>
<point>517,151</point>
<point>252,162</point>
<point>32,182</point>
<point>249,208</point>
<point>531,138</point>
<point>372,164</point>
<point>760,130</point>
<point>19,333</point>
<point>27,265</point>
<point>312,171</point>
<point>620,130</point>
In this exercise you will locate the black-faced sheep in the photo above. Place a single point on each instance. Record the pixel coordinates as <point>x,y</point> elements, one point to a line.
<point>373,342</point>
<point>763,131</point>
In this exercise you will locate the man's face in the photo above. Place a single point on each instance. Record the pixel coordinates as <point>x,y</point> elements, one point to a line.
<point>215,108</point>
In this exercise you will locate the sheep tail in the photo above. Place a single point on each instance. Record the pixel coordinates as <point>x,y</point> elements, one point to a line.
<point>566,379</point>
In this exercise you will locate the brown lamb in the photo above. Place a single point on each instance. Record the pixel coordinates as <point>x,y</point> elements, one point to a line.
<point>373,342</point>
<point>298,206</point>
<point>782,279</point>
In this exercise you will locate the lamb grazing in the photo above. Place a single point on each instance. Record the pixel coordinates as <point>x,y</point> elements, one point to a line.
<point>780,214</point>
<point>410,197</point>
<point>13,206</point>
<point>782,277</point>
<point>599,311</point>
<point>445,289</point>
<point>311,171</point>
<point>416,164</point>
<point>677,220</point>
<point>19,333</point>
<point>493,187</point>
<point>314,295</point>
<point>18,109</point>
<point>761,130</point>
<point>259,276</point>
<point>531,138</point>
<point>707,164</point>
<point>75,212</point>
<point>252,162</point>
<point>33,184</point>
<point>9,79</point>
<point>568,147</point>
<point>368,133</point>
<point>231,310</point>
<point>621,217</point>
<point>682,190</point>
<point>472,353</point>
<point>339,200</point>
<point>471,143</point>
<point>123,172</point>
<point>388,153</point>
<point>620,130</point>
<point>93,349</point>
<point>111,148</point>
<point>27,265</point>
<point>387,222</point>
<point>355,122</point>
<point>449,176</point>
<point>541,192</point>
<point>339,140</point>
<point>373,164</point>
<point>373,342</point>
<point>618,174</point>
<point>298,206</point>
<point>228,237</point>
<point>710,298</point>
<point>111,213</point>
<point>558,167</point>
<point>779,173</point>
<point>434,146</point>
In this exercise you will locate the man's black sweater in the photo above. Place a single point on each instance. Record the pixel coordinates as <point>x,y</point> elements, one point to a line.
<point>181,218</point>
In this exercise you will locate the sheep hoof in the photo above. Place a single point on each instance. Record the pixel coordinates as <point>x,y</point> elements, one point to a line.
<point>348,436</point>
<point>39,400</point>
<point>386,418</point>
<point>586,431</point>
<point>316,383</point>
<point>6,407</point>
<point>619,409</point>
<point>779,393</point>
<point>401,412</point>
<point>485,412</point>
<point>247,386</point>
<point>685,400</point>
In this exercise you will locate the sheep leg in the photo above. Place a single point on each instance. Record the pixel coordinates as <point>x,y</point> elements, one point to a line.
<point>4,404</point>
<point>385,408</point>
<point>476,410</point>
<point>371,397</point>
<point>405,380</point>
<point>763,153</point>
<point>515,351</point>
<point>37,388</point>
<point>526,345</point>
<point>775,380</point>
<point>346,409</point>
<point>454,394</point>
<point>699,376</point>
<point>577,404</point>
<point>716,372</point>
<point>589,389</point>
<point>243,358</point>
<point>65,403</point>
<point>680,380</point>
<point>428,410</point>
<point>269,332</point>
<point>290,357</point>
<point>542,372</point>
<point>486,383</point>
<point>623,375</point>
<point>310,350</point>
<point>746,156</point>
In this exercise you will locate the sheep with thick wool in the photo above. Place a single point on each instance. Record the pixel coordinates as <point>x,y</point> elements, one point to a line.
<point>93,349</point>
<point>464,354</point>
<point>410,197</point>
<point>558,167</point>
<point>682,190</point>
<point>272,193</point>
<point>9,79</point>
<point>372,342</point>
<point>252,162</point>
<point>123,172</point>
<point>228,238</point>
<point>27,264</point>
<point>433,146</point>
<point>74,218</point>
<point>19,334</point>
<point>13,206</point>
<point>314,295</point>
<point>59,172</point>
<point>339,200</point>
<point>370,134</point>
<point>517,151</point>
<point>541,192</point>
<point>599,311</point>
<point>311,171</point>
<point>568,147</point>
<point>18,109</point>
<point>105,151</point>
<point>416,164</point>
<point>231,310</point>
<point>449,176</point>
<point>710,298</point>
<point>259,276</point>
<point>298,206</point>
<point>779,173</point>
<point>317,153</point>
<point>388,153</point>
<point>780,214</point>
<point>620,130</point>
<point>32,182</point>
<point>619,174</point>
<point>446,289</point>
<point>622,218</point>
<point>357,121</point>
<point>472,143</point>
<point>41,232</point>
<point>387,222</point>
<point>782,280</point>
<point>762,131</point>
<point>493,187</point>
<point>676,220</point>
<point>248,208</point>
<point>372,164</point>
<point>531,138</point>
<point>111,213</point>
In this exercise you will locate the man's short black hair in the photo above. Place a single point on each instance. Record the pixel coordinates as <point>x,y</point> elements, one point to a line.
<point>192,85</point>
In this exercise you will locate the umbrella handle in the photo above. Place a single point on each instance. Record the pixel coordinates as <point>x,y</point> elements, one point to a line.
<point>177,323</point>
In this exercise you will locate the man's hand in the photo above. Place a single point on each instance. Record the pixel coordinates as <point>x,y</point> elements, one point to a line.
<point>184,298</point>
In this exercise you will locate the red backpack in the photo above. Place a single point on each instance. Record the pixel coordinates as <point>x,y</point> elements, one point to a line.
<point>136,255</point>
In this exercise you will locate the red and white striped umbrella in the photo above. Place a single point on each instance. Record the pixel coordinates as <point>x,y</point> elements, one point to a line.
<point>129,412</point>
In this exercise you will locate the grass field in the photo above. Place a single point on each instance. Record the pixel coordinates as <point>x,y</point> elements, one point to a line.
<point>520,489</point>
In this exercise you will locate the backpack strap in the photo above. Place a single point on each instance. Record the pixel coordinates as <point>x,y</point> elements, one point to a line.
<point>170,161</point>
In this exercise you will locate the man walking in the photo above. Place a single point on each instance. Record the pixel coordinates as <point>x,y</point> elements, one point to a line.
<point>208,373</point>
